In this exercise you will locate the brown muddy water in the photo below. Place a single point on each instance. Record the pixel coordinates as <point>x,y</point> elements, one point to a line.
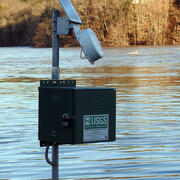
<point>147,80</point>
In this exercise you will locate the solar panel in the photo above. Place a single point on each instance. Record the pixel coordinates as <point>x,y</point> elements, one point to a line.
<point>70,11</point>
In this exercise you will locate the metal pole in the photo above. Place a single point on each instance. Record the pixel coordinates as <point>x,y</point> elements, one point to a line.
<point>55,76</point>
<point>55,45</point>
<point>55,159</point>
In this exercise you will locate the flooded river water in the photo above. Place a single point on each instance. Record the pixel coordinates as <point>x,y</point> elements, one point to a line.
<point>147,80</point>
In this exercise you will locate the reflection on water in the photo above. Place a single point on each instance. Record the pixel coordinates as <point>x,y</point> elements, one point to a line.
<point>148,114</point>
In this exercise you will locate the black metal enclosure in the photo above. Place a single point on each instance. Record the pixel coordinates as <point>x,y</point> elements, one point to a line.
<point>75,115</point>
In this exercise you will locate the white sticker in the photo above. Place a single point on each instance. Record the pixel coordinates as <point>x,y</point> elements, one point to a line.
<point>95,127</point>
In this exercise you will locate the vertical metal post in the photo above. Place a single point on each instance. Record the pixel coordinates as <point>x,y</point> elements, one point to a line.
<point>55,45</point>
<point>55,76</point>
<point>55,159</point>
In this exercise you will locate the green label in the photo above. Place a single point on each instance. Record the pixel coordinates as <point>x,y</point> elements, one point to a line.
<point>95,127</point>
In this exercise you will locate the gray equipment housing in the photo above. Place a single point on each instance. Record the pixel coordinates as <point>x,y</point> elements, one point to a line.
<point>90,45</point>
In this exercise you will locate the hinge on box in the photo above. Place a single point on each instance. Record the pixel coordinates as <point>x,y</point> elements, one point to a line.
<point>58,83</point>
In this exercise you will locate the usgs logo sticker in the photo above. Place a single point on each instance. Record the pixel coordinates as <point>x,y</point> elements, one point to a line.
<point>95,127</point>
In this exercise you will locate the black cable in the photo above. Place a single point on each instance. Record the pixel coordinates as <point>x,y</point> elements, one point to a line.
<point>46,156</point>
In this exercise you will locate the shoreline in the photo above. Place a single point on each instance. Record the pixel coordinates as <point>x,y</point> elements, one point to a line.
<point>116,25</point>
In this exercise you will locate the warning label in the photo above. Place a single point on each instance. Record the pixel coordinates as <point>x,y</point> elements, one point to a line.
<point>95,127</point>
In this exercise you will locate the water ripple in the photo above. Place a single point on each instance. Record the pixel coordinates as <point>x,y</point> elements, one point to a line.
<point>148,116</point>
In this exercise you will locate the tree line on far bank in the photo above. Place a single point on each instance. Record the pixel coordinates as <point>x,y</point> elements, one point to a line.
<point>116,22</point>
